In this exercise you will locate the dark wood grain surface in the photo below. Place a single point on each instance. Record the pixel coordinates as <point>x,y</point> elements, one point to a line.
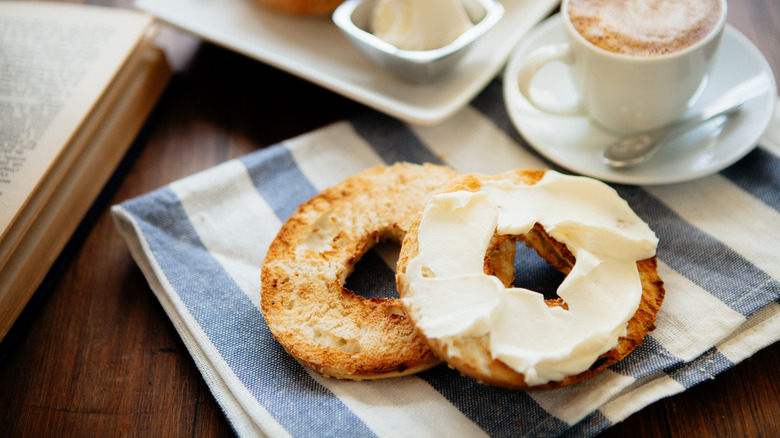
<point>95,355</point>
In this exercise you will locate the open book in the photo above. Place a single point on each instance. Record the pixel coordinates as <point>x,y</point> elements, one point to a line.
<point>77,83</point>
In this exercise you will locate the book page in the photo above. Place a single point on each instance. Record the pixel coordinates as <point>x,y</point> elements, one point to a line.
<point>117,119</point>
<point>56,61</point>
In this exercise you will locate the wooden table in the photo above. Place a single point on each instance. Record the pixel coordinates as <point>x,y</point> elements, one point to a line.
<point>95,355</point>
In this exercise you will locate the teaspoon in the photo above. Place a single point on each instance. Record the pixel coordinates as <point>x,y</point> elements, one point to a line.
<point>639,148</point>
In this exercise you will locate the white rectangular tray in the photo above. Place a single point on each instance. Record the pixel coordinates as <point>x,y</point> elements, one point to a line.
<point>314,49</point>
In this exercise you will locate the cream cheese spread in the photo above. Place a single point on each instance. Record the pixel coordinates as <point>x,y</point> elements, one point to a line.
<point>419,24</point>
<point>450,295</point>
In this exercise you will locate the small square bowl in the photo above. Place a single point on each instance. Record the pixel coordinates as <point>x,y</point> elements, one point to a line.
<point>418,66</point>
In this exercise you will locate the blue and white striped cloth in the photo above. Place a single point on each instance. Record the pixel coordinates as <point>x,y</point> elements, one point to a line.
<point>200,242</point>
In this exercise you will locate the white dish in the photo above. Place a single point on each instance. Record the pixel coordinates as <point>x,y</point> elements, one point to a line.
<point>353,18</point>
<point>576,143</point>
<point>313,48</point>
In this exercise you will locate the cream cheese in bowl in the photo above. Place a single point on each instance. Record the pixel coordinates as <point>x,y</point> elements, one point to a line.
<point>413,29</point>
<point>419,24</point>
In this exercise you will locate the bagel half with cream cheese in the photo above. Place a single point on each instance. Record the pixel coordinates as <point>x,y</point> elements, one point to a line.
<point>513,337</point>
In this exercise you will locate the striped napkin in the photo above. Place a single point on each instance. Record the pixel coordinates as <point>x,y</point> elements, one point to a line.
<point>200,242</point>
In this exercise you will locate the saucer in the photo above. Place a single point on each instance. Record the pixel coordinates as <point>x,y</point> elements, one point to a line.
<point>576,142</point>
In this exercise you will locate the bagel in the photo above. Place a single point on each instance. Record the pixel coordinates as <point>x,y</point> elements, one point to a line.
<point>302,7</point>
<point>512,337</point>
<point>327,327</point>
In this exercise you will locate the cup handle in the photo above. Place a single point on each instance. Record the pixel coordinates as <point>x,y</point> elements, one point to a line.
<point>531,66</point>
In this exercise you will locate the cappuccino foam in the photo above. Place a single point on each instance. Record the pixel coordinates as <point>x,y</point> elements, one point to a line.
<point>644,27</point>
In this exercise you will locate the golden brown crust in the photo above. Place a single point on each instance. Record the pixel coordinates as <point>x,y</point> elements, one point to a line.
<point>474,358</point>
<point>302,7</point>
<point>323,325</point>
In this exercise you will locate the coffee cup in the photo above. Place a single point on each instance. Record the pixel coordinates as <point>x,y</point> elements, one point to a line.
<point>637,65</point>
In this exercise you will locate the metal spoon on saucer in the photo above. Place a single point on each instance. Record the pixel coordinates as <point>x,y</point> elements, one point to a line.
<point>639,148</point>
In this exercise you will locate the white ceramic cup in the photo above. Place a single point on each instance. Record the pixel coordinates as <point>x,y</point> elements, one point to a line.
<point>625,93</point>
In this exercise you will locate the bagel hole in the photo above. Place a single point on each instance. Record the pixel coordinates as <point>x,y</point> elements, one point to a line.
<point>374,274</point>
<point>534,273</point>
